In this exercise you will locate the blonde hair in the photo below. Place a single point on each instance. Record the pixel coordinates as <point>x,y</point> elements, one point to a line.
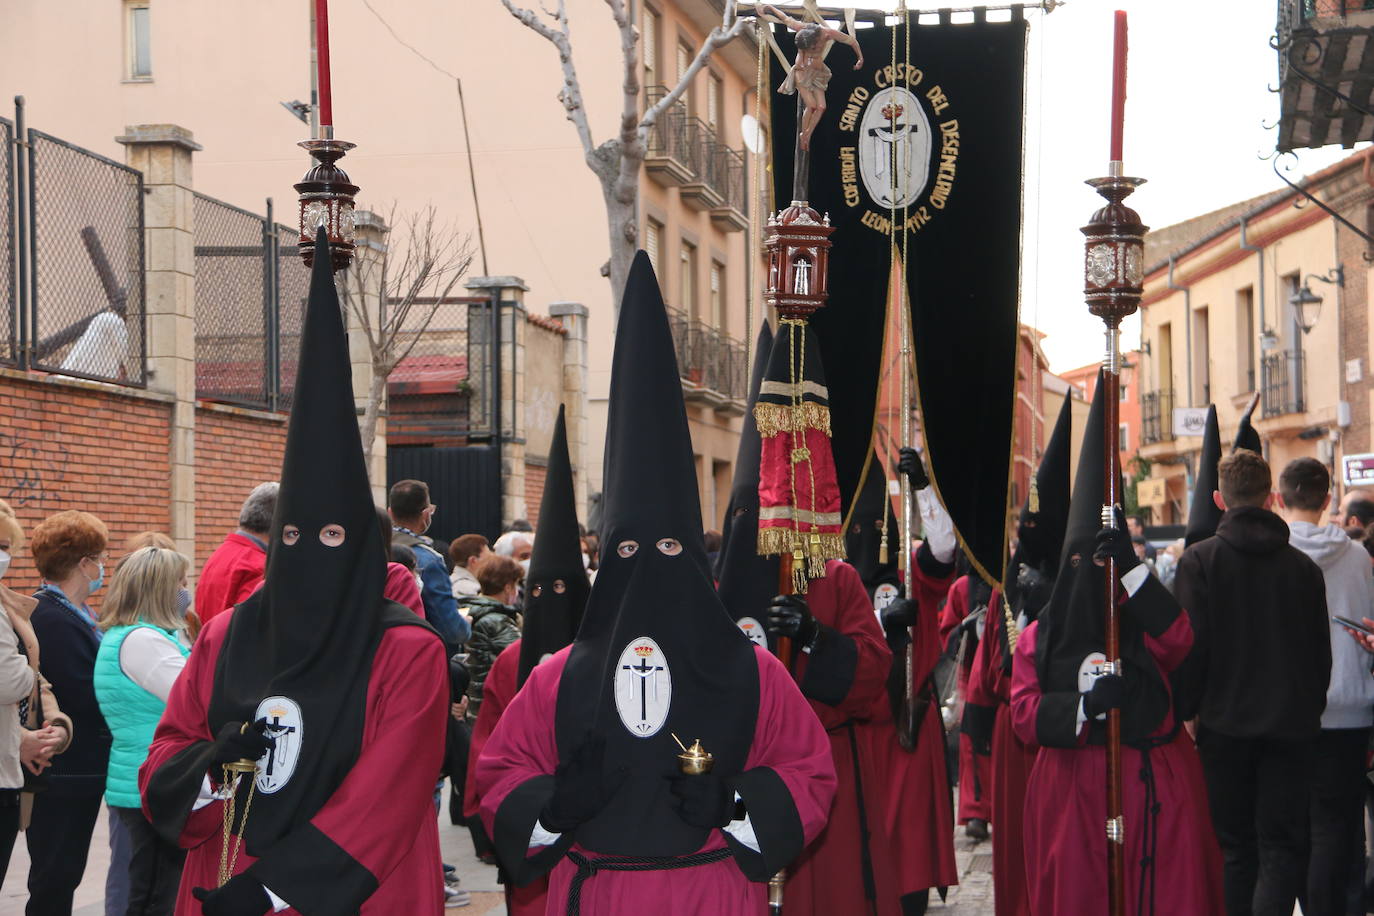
<point>149,539</point>
<point>10,527</point>
<point>144,590</point>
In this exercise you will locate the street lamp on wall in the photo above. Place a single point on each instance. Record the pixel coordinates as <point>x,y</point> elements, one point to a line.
<point>1306,304</point>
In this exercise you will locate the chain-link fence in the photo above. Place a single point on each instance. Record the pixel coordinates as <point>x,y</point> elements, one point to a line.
<point>9,286</point>
<point>86,305</point>
<point>293,289</point>
<point>234,305</point>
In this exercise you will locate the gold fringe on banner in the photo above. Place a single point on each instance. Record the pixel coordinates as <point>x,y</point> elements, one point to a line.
<point>786,418</point>
<point>813,546</point>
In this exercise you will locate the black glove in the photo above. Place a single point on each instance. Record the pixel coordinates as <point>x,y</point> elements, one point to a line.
<point>909,463</point>
<point>1116,543</point>
<point>234,743</point>
<point>703,800</point>
<point>1107,693</point>
<point>899,615</point>
<point>581,787</point>
<point>240,896</point>
<point>788,615</point>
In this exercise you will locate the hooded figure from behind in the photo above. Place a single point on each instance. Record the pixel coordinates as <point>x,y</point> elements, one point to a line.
<point>583,769</point>
<point>320,666</point>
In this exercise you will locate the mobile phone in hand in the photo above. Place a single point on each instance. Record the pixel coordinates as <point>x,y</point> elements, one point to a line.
<point>1353,624</point>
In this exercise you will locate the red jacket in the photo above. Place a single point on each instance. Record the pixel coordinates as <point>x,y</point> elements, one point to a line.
<point>233,572</point>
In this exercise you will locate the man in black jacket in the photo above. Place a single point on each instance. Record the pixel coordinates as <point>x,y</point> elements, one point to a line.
<point>1260,666</point>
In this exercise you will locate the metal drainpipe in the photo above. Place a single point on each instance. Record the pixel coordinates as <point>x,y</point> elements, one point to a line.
<point>1338,443</point>
<point>1187,331</point>
<point>1264,327</point>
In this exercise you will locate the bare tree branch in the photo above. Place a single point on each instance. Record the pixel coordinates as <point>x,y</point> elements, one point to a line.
<point>561,38</point>
<point>719,36</point>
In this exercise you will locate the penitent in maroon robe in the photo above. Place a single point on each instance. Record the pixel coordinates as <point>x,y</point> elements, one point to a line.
<point>975,770</point>
<point>919,816</point>
<point>787,740</point>
<point>1066,806</point>
<point>381,816</point>
<point>497,692</point>
<point>1012,760</point>
<point>845,677</point>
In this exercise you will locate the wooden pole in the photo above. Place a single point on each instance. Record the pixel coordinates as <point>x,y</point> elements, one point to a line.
<point>1111,498</point>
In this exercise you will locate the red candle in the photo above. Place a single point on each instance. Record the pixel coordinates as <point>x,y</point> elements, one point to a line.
<point>1118,84</point>
<point>322,58</point>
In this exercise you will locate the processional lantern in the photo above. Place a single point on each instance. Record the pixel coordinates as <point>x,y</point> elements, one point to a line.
<point>326,193</point>
<point>797,240</point>
<point>1113,274</point>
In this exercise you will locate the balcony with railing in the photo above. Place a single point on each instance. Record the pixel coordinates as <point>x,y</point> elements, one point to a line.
<point>1157,416</point>
<point>1282,377</point>
<point>710,363</point>
<point>686,153</point>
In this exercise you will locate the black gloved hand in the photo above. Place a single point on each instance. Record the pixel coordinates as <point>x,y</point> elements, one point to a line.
<point>1107,692</point>
<point>240,896</point>
<point>703,800</point>
<point>235,742</point>
<point>581,787</point>
<point>909,463</point>
<point>1116,543</point>
<point>789,615</point>
<point>899,615</point>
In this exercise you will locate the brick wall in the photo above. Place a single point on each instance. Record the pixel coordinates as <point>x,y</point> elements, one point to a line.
<point>235,451</point>
<point>534,489</point>
<point>1354,323</point>
<point>67,444</point>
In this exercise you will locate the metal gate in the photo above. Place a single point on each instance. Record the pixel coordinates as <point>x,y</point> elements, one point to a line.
<point>464,483</point>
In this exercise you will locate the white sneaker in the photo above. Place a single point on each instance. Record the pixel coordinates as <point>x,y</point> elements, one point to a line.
<point>455,897</point>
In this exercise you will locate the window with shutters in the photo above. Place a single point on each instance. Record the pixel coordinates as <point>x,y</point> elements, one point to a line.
<point>653,232</point>
<point>687,279</point>
<point>650,47</point>
<point>684,63</point>
<point>714,101</point>
<point>138,46</point>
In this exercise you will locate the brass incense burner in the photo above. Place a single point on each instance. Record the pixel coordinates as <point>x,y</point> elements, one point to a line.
<point>694,760</point>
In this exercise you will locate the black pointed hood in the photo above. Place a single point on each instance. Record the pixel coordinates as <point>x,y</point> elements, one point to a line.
<point>556,586</point>
<point>657,653</point>
<point>1203,514</point>
<point>1044,518</point>
<point>300,648</point>
<point>1072,625</point>
<point>1246,434</point>
<point>863,539</point>
<point>746,581</point>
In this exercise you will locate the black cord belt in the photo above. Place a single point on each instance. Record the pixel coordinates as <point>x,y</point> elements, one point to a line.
<point>586,868</point>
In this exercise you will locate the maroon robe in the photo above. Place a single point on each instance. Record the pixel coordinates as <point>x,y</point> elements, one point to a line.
<point>975,770</point>
<point>1066,807</point>
<point>1012,761</point>
<point>382,815</point>
<point>787,739</point>
<point>919,816</point>
<point>845,678</point>
<point>497,692</point>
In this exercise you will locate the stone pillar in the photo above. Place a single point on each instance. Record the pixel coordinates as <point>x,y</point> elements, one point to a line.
<point>162,152</point>
<point>370,239</point>
<point>509,292</point>
<point>573,316</point>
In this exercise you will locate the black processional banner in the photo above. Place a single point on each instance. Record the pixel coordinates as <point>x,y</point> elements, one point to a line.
<point>949,119</point>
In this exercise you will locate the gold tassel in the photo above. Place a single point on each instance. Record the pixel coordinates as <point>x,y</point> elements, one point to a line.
<point>786,418</point>
<point>799,581</point>
<point>1033,499</point>
<point>1013,632</point>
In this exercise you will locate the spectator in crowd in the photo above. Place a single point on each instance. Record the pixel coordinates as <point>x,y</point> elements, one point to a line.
<point>149,539</point>
<point>70,550</point>
<point>1339,763</point>
<point>518,545</point>
<point>712,539</point>
<point>495,623</point>
<point>401,584</point>
<point>522,526</point>
<point>26,700</point>
<point>1260,667</point>
<point>1358,512</point>
<point>234,571</point>
<point>467,553</point>
<point>411,512</point>
<point>1136,525</point>
<point>589,547</point>
<point>142,653</point>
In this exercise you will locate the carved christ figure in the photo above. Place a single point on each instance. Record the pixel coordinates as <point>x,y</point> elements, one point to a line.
<point>810,76</point>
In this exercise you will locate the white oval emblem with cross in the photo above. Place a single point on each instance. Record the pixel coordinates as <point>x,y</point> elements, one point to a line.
<point>643,687</point>
<point>894,148</point>
<point>286,729</point>
<point>754,630</point>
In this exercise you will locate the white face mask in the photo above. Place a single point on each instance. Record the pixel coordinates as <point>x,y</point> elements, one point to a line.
<point>4,562</point>
<point>525,565</point>
<point>586,560</point>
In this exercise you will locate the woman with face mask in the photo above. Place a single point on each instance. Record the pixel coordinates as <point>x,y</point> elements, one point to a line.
<point>70,550</point>
<point>32,728</point>
<point>495,622</point>
<point>143,651</point>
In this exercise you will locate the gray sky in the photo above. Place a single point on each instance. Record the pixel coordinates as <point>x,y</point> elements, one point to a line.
<point>1197,99</point>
